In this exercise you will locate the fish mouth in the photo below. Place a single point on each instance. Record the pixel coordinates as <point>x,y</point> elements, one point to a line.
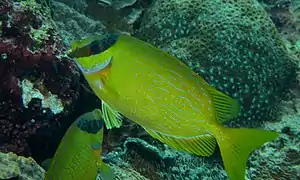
<point>95,68</point>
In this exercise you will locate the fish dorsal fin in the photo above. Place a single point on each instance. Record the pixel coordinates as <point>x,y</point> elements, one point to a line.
<point>46,163</point>
<point>111,117</point>
<point>202,145</point>
<point>226,108</point>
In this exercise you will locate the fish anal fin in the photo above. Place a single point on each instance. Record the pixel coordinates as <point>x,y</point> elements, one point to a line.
<point>226,108</point>
<point>202,145</point>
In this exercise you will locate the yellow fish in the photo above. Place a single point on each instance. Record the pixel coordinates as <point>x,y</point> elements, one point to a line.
<point>170,101</point>
<point>78,156</point>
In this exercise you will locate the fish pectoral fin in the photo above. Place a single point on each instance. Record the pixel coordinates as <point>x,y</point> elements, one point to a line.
<point>105,172</point>
<point>202,145</point>
<point>226,107</point>
<point>111,117</point>
<point>46,163</point>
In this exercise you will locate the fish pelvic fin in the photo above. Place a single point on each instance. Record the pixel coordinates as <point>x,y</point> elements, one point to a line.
<point>105,172</point>
<point>202,145</point>
<point>111,117</point>
<point>226,108</point>
<point>236,144</point>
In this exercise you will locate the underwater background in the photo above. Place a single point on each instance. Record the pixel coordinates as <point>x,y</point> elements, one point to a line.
<point>248,49</point>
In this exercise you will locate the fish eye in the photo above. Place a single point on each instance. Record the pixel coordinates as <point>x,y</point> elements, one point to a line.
<point>95,48</point>
<point>101,45</point>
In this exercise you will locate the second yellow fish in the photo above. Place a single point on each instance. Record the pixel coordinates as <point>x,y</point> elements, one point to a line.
<point>78,156</point>
<point>171,102</point>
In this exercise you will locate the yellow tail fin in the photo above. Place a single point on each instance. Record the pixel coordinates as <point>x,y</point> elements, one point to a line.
<point>236,144</point>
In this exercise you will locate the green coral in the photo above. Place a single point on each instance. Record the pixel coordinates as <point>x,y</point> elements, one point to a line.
<point>39,33</point>
<point>162,162</point>
<point>14,166</point>
<point>126,173</point>
<point>73,25</point>
<point>294,50</point>
<point>41,9</point>
<point>280,159</point>
<point>233,44</point>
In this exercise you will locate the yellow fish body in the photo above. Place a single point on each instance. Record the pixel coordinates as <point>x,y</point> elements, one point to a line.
<point>78,156</point>
<point>171,102</point>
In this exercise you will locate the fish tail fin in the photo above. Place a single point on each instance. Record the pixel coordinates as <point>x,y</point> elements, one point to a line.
<point>106,172</point>
<point>236,144</point>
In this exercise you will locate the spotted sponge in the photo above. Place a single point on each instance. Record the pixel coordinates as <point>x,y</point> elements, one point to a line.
<point>233,44</point>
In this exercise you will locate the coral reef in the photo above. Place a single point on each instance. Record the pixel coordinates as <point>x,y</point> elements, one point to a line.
<point>34,74</point>
<point>116,136</point>
<point>234,45</point>
<point>255,48</point>
<point>162,162</point>
<point>117,4</point>
<point>278,159</point>
<point>126,173</point>
<point>78,19</point>
<point>13,166</point>
<point>294,49</point>
<point>139,160</point>
<point>21,168</point>
<point>73,25</point>
<point>286,16</point>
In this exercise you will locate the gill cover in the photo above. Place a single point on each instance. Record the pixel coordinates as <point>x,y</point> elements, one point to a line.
<point>92,56</point>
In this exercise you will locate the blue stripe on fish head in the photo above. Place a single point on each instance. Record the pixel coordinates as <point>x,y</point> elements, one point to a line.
<point>108,40</point>
<point>95,47</point>
<point>96,146</point>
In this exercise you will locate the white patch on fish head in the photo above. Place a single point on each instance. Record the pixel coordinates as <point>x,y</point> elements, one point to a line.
<point>95,68</point>
<point>99,84</point>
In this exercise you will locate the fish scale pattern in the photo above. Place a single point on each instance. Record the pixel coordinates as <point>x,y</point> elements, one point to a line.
<point>233,44</point>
